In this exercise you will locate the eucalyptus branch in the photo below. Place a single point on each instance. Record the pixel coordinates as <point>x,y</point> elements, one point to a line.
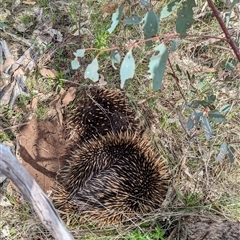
<point>167,36</point>
<point>224,28</point>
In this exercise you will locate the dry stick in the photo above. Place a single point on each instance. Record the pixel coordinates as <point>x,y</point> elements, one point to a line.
<point>177,81</point>
<point>13,169</point>
<point>224,28</point>
<point>79,24</point>
<point>1,59</point>
<point>15,126</point>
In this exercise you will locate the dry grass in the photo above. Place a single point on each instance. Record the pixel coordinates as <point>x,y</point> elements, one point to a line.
<point>200,185</point>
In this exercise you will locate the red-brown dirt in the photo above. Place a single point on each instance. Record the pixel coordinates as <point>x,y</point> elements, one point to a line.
<point>42,145</point>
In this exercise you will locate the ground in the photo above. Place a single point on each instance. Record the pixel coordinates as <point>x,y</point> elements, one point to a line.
<point>41,149</point>
<point>200,185</point>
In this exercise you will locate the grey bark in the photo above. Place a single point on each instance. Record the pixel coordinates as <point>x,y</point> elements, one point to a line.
<point>14,170</point>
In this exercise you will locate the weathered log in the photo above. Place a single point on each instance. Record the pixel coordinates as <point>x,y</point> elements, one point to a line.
<point>14,170</point>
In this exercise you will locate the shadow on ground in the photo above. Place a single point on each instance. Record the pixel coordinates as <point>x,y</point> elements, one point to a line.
<point>42,145</point>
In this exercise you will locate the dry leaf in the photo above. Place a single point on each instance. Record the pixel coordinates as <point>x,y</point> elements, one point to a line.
<point>69,97</point>
<point>54,101</point>
<point>101,81</point>
<point>34,104</point>
<point>59,112</point>
<point>7,64</point>
<point>29,2</point>
<point>48,73</point>
<point>208,70</point>
<point>62,92</point>
<point>109,7</point>
<point>141,101</point>
<point>4,202</point>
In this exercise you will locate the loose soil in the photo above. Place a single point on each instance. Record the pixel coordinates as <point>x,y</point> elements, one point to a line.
<point>42,145</point>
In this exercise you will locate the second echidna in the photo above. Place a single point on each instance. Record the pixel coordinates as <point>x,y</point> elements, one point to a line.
<point>99,111</point>
<point>112,178</point>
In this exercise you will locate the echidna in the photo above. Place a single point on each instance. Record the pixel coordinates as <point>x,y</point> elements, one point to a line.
<point>99,111</point>
<point>112,178</point>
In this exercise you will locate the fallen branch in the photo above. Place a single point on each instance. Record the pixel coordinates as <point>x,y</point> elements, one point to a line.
<point>15,171</point>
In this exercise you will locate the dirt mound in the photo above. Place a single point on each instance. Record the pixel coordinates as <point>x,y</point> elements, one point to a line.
<point>42,145</point>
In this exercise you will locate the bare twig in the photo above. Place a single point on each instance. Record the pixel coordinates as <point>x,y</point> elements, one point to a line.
<point>224,28</point>
<point>14,170</point>
<point>177,81</point>
<point>167,36</point>
<point>79,24</point>
<point>15,126</point>
<point>19,39</point>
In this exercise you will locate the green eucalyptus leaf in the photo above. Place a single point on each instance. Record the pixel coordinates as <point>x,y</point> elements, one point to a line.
<point>231,152</point>
<point>204,103</point>
<point>3,25</point>
<point>174,44</point>
<point>231,64</point>
<point>169,9</point>
<point>145,3</point>
<point>225,108</point>
<point>134,20</point>
<point>216,116</point>
<point>211,98</point>
<point>127,68</point>
<point>116,17</point>
<point>115,58</point>
<point>227,17</point>
<point>157,65</point>
<point>233,3</point>
<point>91,71</point>
<point>222,152</point>
<point>194,104</point>
<point>75,64</point>
<point>185,16</point>
<point>206,127</point>
<point>151,25</point>
<point>193,120</point>
<point>79,53</point>
<point>201,84</point>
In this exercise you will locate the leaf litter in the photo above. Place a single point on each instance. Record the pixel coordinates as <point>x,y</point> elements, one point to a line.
<point>39,143</point>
